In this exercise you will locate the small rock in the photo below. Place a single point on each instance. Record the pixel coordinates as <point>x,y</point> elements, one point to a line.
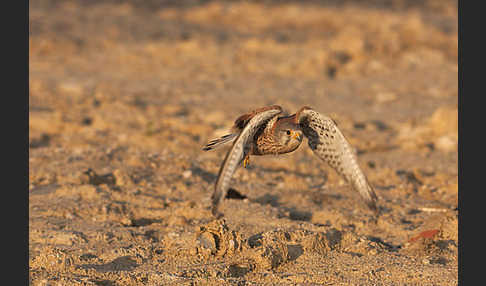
<point>271,256</point>
<point>237,270</point>
<point>187,174</point>
<point>207,241</point>
<point>215,238</point>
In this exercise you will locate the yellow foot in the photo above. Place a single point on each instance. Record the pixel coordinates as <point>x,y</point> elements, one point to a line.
<point>246,162</point>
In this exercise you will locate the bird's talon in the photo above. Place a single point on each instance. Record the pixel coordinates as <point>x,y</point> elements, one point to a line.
<point>246,162</point>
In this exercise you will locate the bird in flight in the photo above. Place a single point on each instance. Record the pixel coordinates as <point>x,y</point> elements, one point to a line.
<point>266,131</point>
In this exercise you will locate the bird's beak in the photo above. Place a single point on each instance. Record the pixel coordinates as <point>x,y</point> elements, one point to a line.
<point>297,136</point>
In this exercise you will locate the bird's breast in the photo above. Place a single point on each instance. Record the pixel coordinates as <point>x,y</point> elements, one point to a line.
<point>266,145</point>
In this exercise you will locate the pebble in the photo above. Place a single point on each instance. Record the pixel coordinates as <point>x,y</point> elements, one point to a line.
<point>187,174</point>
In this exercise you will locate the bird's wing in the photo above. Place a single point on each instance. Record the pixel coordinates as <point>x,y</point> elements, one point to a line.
<point>237,153</point>
<point>243,119</point>
<point>238,126</point>
<point>329,144</point>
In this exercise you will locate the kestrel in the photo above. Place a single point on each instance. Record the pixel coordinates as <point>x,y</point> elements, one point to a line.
<point>266,131</point>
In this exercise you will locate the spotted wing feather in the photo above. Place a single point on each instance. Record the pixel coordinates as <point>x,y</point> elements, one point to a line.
<point>329,144</point>
<point>237,153</point>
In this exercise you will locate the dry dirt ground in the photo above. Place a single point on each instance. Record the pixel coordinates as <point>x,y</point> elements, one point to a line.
<point>123,95</point>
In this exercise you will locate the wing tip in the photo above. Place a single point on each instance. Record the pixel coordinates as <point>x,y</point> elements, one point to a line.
<point>215,208</point>
<point>372,205</point>
<point>372,200</point>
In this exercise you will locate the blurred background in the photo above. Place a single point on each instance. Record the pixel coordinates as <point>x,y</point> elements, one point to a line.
<point>125,64</point>
<point>123,95</point>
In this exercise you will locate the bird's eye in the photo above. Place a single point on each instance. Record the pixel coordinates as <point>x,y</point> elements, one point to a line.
<point>288,132</point>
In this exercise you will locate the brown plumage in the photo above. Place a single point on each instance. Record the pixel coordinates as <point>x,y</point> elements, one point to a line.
<point>278,135</point>
<point>265,131</point>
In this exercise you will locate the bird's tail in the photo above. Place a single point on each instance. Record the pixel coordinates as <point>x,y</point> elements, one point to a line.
<point>217,142</point>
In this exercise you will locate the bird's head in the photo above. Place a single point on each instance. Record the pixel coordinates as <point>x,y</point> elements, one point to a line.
<point>288,133</point>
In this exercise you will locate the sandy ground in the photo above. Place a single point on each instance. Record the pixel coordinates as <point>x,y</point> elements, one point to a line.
<point>123,95</point>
